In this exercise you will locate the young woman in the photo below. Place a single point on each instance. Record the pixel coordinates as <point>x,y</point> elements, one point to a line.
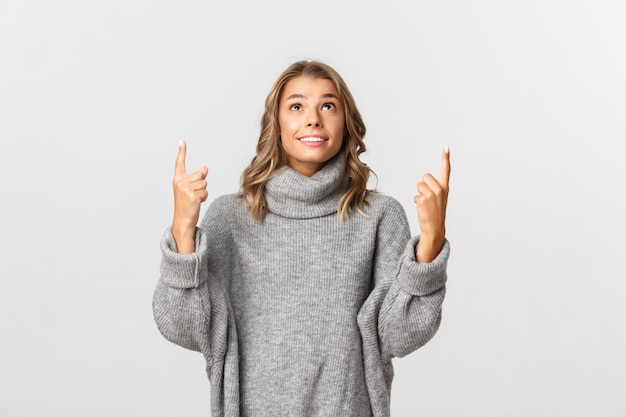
<point>301,289</point>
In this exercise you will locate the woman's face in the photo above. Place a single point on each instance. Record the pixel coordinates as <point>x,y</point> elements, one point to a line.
<point>312,123</point>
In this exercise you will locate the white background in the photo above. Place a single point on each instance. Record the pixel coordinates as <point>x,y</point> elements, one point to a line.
<point>530,96</point>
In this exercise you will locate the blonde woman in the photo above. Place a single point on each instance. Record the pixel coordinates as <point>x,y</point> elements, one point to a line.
<point>301,289</point>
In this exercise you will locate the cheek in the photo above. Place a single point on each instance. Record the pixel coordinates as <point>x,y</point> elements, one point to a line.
<point>286,125</point>
<point>281,124</point>
<point>340,128</point>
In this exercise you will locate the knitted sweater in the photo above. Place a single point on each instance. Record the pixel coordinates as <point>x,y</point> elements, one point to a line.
<point>300,314</point>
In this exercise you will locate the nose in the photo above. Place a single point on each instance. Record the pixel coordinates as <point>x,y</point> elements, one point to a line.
<point>314,120</point>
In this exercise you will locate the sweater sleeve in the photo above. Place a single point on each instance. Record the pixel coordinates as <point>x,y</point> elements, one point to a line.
<point>405,304</point>
<point>411,310</point>
<point>189,302</point>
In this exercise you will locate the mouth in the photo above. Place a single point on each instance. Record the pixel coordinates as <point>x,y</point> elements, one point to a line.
<point>312,139</point>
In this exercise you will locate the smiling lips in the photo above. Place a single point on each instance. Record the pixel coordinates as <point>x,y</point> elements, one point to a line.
<point>312,139</point>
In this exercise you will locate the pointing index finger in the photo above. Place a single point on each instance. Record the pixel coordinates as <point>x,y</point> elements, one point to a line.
<point>181,169</point>
<point>444,175</point>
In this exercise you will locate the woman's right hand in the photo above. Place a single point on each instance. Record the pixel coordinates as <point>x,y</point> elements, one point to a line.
<point>189,193</point>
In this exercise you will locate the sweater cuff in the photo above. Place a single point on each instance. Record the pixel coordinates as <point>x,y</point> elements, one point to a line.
<point>182,270</point>
<point>418,278</point>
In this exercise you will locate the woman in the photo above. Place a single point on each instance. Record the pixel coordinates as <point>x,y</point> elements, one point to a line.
<point>301,289</point>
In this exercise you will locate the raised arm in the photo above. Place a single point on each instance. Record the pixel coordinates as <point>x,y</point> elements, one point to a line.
<point>189,303</point>
<point>404,308</point>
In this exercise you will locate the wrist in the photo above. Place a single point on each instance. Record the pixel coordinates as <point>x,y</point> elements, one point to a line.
<point>184,238</point>
<point>428,247</point>
<point>433,238</point>
<point>183,228</point>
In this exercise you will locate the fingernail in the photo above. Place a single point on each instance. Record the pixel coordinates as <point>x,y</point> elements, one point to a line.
<point>446,149</point>
<point>180,144</point>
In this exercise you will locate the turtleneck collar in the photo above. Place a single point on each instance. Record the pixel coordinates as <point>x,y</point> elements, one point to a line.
<point>293,195</point>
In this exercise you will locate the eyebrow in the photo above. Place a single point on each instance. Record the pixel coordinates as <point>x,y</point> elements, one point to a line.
<point>298,95</point>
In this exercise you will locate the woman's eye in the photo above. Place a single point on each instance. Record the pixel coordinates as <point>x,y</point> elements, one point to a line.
<point>295,107</point>
<point>328,106</point>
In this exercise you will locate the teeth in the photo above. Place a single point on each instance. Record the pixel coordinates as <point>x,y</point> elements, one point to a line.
<point>312,139</point>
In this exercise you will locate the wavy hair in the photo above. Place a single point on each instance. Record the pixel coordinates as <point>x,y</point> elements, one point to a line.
<point>270,156</point>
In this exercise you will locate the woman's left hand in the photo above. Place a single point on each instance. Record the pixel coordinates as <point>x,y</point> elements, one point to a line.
<point>431,202</point>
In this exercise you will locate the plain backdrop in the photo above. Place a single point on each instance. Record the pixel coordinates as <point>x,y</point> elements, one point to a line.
<point>530,96</point>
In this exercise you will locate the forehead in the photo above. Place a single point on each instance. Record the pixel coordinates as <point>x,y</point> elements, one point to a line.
<point>308,87</point>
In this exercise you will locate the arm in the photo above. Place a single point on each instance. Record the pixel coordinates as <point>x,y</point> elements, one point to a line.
<point>181,303</point>
<point>189,302</point>
<point>405,304</point>
<point>411,311</point>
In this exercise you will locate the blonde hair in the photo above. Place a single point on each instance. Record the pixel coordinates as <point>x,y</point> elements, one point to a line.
<point>270,156</point>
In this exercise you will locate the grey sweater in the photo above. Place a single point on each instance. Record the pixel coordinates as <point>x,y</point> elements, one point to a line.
<point>300,314</point>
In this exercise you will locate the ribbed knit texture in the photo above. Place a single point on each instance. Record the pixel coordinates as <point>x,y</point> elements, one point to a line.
<point>300,314</point>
